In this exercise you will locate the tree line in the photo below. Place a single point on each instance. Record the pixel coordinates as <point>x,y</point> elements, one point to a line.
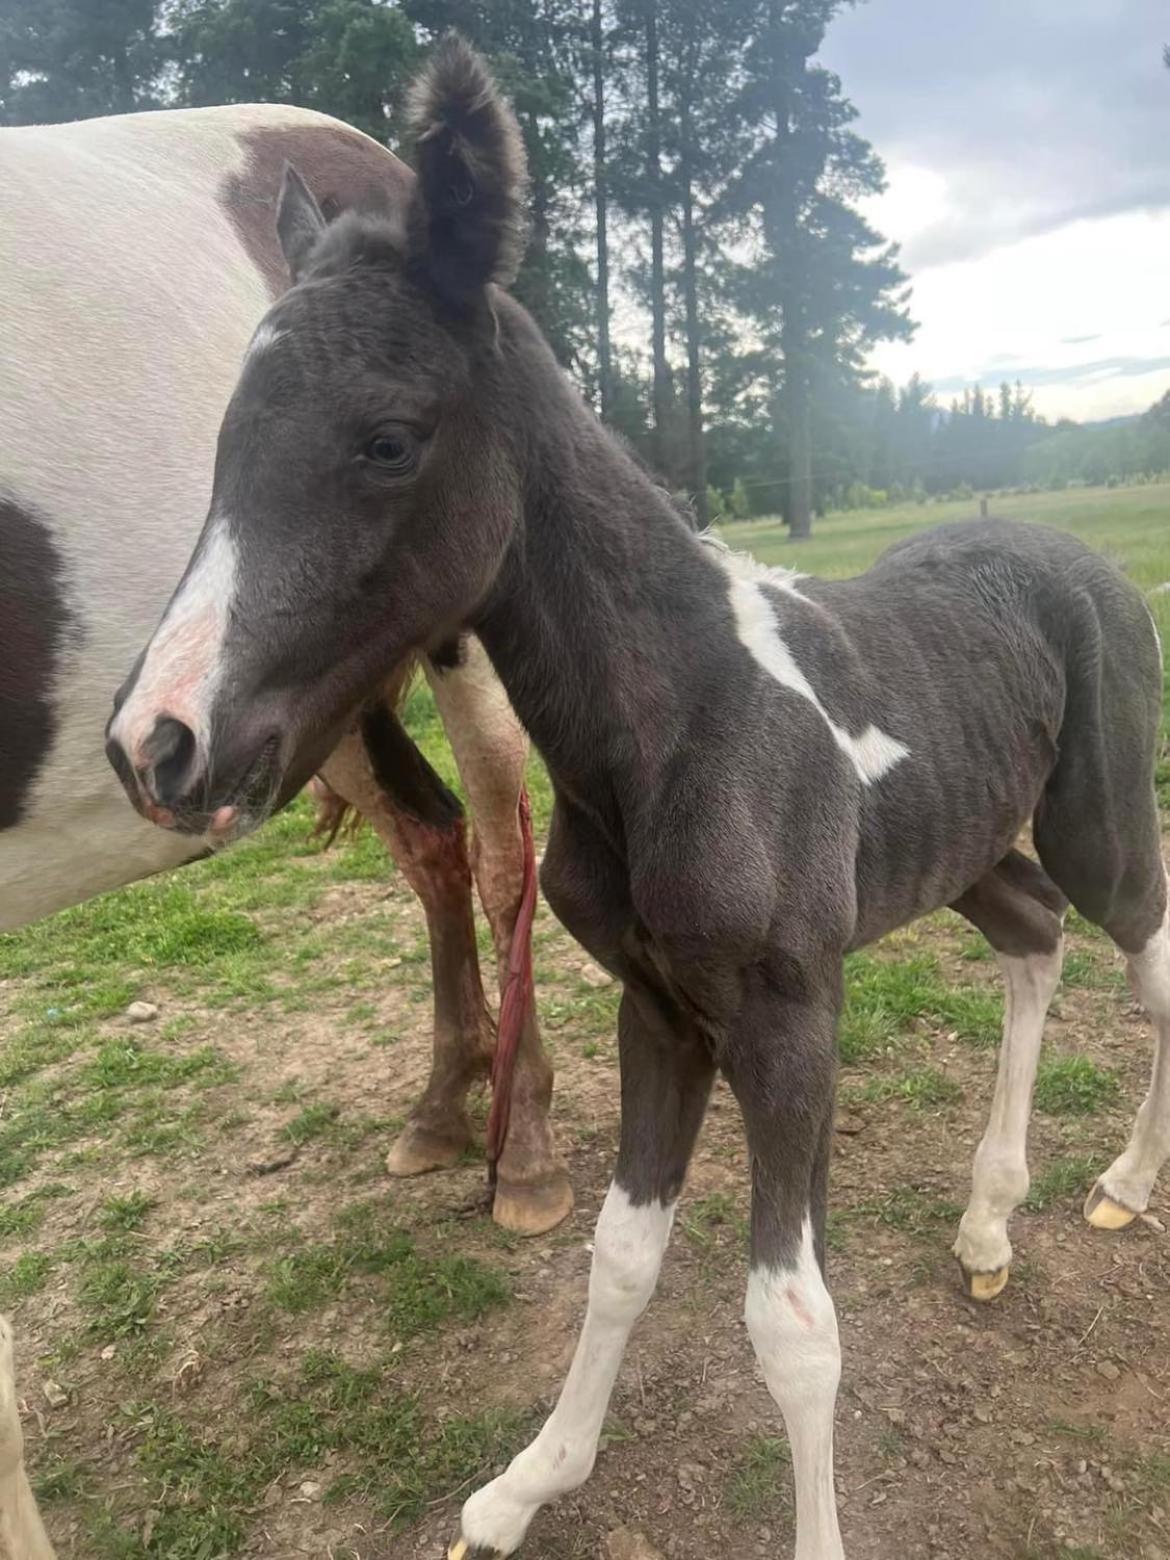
<point>698,256</point>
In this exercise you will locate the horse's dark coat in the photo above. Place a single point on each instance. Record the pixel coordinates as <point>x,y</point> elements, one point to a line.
<point>35,626</point>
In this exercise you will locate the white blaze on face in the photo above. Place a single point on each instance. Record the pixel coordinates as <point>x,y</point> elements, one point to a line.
<point>873,753</point>
<point>184,665</point>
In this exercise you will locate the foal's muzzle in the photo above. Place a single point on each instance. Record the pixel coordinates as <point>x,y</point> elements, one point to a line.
<point>168,780</point>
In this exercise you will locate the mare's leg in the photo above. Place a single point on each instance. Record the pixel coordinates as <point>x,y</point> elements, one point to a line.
<point>533,1191</point>
<point>1020,911</point>
<point>378,770</point>
<point>666,1078</point>
<point>22,1536</point>
<point>782,1066</point>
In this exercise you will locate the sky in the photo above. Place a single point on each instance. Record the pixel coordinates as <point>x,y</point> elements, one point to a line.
<point>1027,145</point>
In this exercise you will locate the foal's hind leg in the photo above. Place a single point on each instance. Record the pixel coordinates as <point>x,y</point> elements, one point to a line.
<point>1124,1190</point>
<point>1097,833</point>
<point>533,1191</point>
<point>377,770</point>
<point>1020,911</point>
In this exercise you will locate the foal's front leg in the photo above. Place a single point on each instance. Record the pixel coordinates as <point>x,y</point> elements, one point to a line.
<point>782,1067</point>
<point>666,1078</point>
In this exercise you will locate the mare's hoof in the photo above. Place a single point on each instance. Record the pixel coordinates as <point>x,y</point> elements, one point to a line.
<point>985,1286</point>
<point>535,1207</point>
<point>1104,1214</point>
<point>417,1150</point>
<point>462,1550</point>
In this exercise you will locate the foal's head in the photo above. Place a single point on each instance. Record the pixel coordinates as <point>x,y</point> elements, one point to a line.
<point>365,486</point>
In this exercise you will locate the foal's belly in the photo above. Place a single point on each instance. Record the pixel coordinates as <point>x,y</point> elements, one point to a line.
<point>924,844</point>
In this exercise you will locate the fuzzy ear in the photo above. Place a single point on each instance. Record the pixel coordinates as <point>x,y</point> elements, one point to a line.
<point>299,223</point>
<point>467,221</point>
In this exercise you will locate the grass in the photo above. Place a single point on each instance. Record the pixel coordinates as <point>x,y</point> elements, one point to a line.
<point>705,1220</point>
<point>887,998</point>
<point>417,1292</point>
<point>26,1276</point>
<point>1074,1086</point>
<point>922,1088</point>
<point>1063,1180</point>
<point>907,1209</point>
<point>760,1479</point>
<point>126,1213</point>
<point>313,1122</point>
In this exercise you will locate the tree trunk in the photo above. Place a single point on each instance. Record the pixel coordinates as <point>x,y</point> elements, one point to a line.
<point>785,239</point>
<point>600,196</point>
<point>657,262</point>
<point>798,500</point>
<point>123,82</point>
<point>695,442</point>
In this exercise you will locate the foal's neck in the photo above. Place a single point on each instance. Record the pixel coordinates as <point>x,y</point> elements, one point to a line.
<point>599,618</point>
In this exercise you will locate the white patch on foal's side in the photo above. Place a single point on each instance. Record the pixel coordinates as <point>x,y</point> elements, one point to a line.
<point>873,754</point>
<point>184,664</point>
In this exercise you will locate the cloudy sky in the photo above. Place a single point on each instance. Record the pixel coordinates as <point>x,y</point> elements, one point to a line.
<point>1028,150</point>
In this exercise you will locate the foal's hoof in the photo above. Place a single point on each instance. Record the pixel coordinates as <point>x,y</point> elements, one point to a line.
<point>462,1550</point>
<point>1104,1214</point>
<point>533,1208</point>
<point>985,1286</point>
<point>418,1149</point>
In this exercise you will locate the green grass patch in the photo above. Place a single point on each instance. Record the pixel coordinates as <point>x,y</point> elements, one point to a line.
<point>313,1122</point>
<point>123,1062</point>
<point>1074,1086</point>
<point>705,1220</point>
<point>419,1292</point>
<point>126,1213</point>
<point>907,1209</point>
<point>885,998</point>
<point>22,1218</point>
<point>761,1477</point>
<point>1063,1179</point>
<point>923,1088</point>
<point>118,1298</point>
<point>1093,1435</point>
<point>26,1276</point>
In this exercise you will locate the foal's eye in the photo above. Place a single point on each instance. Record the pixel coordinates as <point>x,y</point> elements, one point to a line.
<point>392,452</point>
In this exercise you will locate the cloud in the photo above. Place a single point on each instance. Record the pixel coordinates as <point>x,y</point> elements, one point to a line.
<point>1030,309</point>
<point>1066,374</point>
<point>1028,114</point>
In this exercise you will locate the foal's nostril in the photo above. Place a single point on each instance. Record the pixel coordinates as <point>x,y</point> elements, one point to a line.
<point>168,756</point>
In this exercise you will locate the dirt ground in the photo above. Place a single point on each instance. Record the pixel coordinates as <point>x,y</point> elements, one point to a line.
<point>1035,1427</point>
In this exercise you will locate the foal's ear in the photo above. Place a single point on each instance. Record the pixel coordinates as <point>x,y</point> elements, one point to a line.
<point>299,222</point>
<point>467,216</point>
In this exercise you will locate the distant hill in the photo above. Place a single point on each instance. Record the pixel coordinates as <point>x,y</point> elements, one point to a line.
<point>1115,422</point>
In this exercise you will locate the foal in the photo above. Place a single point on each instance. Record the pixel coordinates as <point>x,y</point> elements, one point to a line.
<point>754,772</point>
